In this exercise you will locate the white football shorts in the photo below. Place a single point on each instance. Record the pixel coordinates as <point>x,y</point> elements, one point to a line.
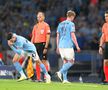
<point>34,55</point>
<point>67,53</point>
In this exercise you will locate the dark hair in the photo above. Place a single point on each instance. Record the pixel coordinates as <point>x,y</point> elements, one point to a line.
<point>9,35</point>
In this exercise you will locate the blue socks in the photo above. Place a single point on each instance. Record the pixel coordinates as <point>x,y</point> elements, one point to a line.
<point>43,69</point>
<point>18,66</point>
<point>64,69</point>
<point>20,70</point>
<point>65,75</point>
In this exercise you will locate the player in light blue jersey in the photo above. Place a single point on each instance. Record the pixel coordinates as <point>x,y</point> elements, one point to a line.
<point>65,41</point>
<point>24,48</point>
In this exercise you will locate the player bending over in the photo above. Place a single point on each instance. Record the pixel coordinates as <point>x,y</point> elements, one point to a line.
<point>24,48</point>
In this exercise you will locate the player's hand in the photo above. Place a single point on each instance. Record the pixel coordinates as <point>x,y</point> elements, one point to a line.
<point>45,51</point>
<point>57,51</point>
<point>100,50</point>
<point>78,49</point>
<point>10,43</point>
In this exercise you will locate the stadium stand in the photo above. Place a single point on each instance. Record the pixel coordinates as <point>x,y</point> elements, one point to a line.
<point>19,16</point>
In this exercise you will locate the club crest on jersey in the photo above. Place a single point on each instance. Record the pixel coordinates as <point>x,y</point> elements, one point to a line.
<point>42,31</point>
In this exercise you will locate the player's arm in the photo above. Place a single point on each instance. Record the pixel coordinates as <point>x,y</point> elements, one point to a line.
<point>57,39</point>
<point>102,39</point>
<point>75,41</point>
<point>72,31</point>
<point>32,39</point>
<point>47,40</point>
<point>18,51</point>
<point>57,43</point>
<point>47,43</point>
<point>47,36</point>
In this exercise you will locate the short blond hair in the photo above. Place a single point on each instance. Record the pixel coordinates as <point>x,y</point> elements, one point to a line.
<point>42,13</point>
<point>71,13</point>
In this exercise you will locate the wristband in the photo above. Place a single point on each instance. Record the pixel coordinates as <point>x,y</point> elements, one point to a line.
<point>101,47</point>
<point>45,48</point>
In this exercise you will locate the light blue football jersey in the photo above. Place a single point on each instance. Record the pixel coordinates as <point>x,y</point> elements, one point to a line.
<point>22,44</point>
<point>64,29</point>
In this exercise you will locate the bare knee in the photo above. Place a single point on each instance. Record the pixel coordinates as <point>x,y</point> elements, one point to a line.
<point>16,58</point>
<point>71,61</point>
<point>38,62</point>
<point>44,62</point>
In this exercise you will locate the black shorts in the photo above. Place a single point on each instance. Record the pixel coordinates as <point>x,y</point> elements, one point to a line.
<point>40,48</point>
<point>105,53</point>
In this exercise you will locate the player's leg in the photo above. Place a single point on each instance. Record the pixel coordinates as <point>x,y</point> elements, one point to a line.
<point>40,54</point>
<point>106,62</point>
<point>106,69</point>
<point>18,66</point>
<point>69,61</point>
<point>46,63</point>
<point>65,80</point>
<point>42,66</point>
<point>69,57</point>
<point>38,72</point>
<point>43,58</point>
<point>65,68</point>
<point>63,71</point>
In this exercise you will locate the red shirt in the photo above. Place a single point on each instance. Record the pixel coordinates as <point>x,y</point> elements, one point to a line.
<point>105,31</point>
<point>39,32</point>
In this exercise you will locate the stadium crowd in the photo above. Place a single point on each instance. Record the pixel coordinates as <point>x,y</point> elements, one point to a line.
<point>19,16</point>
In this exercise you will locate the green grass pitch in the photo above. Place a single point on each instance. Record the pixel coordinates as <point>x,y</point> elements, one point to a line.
<point>28,85</point>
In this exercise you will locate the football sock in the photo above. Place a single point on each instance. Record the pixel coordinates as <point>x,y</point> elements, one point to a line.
<point>65,75</point>
<point>65,67</point>
<point>38,72</point>
<point>43,69</point>
<point>19,68</point>
<point>106,73</point>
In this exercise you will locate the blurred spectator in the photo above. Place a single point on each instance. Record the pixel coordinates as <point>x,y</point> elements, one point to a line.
<point>18,16</point>
<point>1,58</point>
